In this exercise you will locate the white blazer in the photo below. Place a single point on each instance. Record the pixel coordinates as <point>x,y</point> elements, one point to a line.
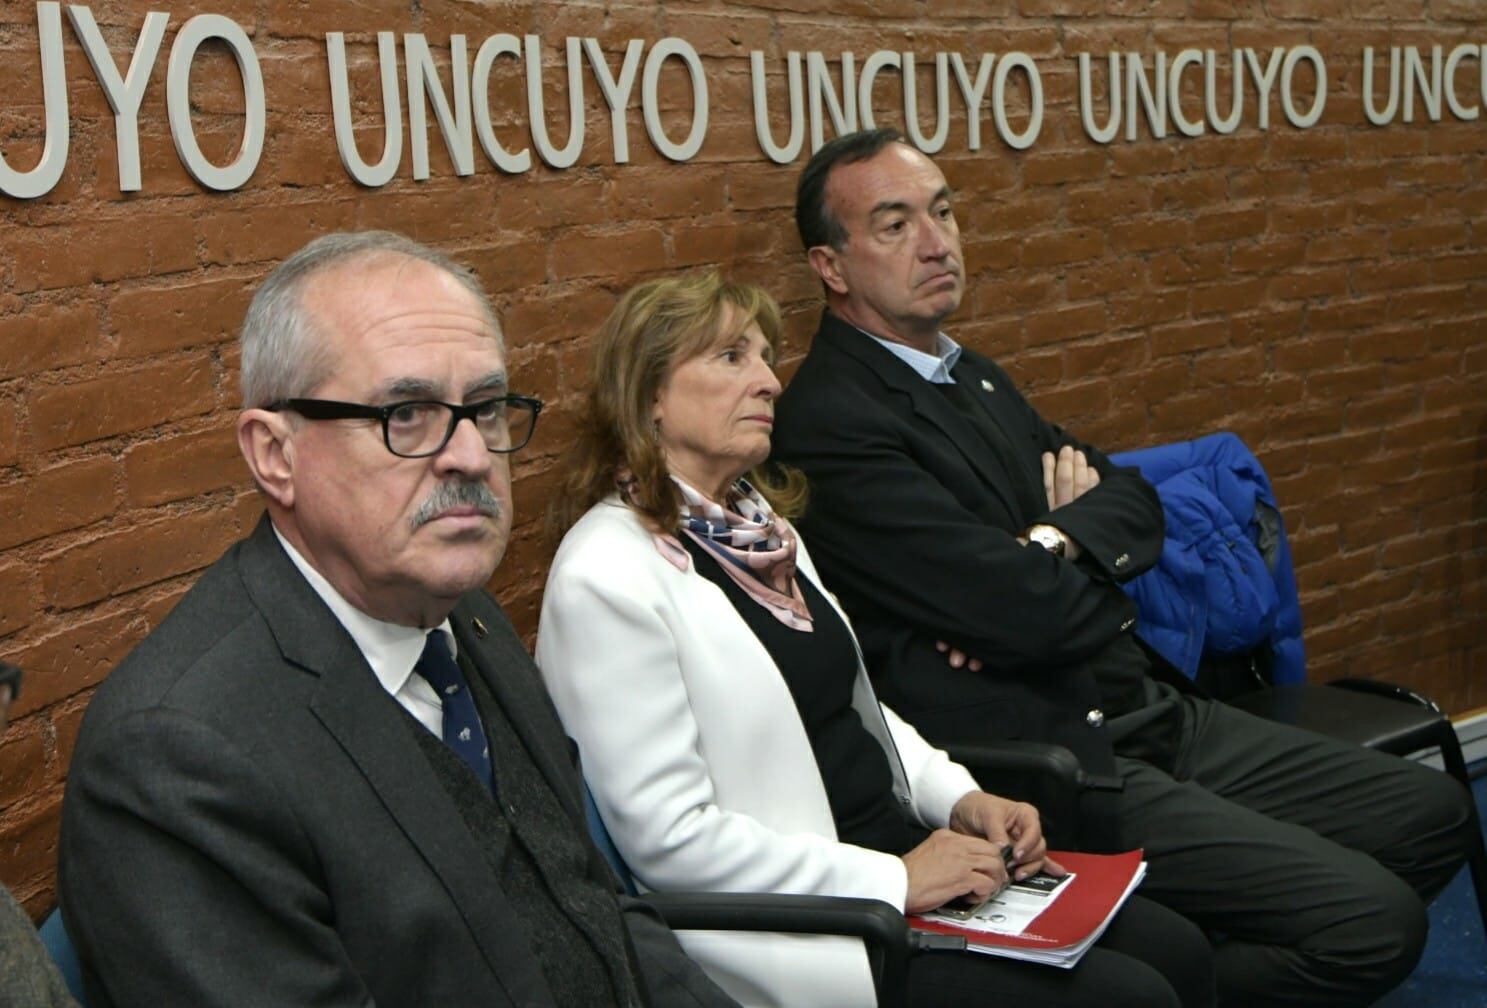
<point>699,762</point>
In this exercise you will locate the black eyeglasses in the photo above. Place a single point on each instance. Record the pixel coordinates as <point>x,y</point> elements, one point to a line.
<point>422,427</point>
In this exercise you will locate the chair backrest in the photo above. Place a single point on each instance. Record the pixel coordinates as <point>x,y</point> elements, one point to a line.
<point>600,834</point>
<point>58,942</point>
<point>881,926</point>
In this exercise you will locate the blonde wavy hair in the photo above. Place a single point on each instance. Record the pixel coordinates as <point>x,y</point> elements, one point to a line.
<point>655,326</point>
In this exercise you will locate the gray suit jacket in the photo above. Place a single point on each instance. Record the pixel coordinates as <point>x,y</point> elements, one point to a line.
<point>28,979</point>
<point>249,819</point>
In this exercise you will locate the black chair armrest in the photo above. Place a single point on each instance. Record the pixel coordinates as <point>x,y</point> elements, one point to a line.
<point>1393,691</point>
<point>1052,763</point>
<point>880,925</point>
<point>796,914</point>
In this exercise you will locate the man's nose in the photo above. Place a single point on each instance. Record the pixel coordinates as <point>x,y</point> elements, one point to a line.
<point>933,245</point>
<point>465,451</point>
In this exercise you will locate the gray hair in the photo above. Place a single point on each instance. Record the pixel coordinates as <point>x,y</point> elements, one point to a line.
<point>284,354</point>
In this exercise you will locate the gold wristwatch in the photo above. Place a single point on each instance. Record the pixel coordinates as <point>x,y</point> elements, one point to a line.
<point>1049,538</point>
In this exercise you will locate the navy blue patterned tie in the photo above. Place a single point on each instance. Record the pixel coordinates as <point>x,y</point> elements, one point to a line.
<point>462,730</point>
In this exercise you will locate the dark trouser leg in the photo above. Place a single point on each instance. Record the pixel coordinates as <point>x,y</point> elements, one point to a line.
<point>1292,847</point>
<point>1148,958</point>
<point>1408,817</point>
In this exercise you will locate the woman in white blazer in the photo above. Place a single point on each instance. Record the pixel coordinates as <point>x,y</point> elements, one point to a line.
<point>727,728</point>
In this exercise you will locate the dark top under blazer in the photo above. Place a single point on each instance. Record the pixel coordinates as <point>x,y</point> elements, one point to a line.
<point>249,820</point>
<point>820,670</point>
<point>913,517</point>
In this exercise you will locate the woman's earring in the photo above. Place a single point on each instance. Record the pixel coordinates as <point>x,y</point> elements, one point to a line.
<point>656,431</point>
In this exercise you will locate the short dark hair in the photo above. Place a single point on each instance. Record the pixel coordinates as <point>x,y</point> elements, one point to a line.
<point>815,222</point>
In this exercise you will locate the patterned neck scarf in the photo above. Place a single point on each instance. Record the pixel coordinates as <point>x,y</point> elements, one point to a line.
<point>752,544</point>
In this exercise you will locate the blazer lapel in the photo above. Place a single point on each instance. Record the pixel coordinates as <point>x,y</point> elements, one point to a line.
<point>1022,474</point>
<point>927,403</point>
<point>372,730</point>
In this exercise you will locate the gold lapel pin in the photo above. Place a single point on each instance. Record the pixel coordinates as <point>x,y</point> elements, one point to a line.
<point>479,627</point>
<point>987,385</point>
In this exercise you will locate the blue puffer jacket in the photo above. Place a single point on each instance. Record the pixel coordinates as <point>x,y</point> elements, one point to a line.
<point>1224,583</point>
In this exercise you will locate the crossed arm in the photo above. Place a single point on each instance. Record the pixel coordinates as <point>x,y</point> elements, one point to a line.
<point>915,535</point>
<point>1067,476</point>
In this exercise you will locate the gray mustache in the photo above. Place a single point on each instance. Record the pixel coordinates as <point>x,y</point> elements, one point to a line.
<point>453,495</point>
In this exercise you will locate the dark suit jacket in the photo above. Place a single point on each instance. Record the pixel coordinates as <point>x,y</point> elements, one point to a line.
<point>913,519</point>
<point>249,818</point>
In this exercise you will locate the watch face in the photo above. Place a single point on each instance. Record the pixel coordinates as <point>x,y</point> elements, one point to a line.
<point>1049,540</point>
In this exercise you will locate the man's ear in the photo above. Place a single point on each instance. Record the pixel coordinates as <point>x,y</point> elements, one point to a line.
<point>826,261</point>
<point>264,439</point>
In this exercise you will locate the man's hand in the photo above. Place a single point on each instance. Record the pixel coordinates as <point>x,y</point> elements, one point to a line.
<point>1067,477</point>
<point>1006,823</point>
<point>958,658</point>
<point>948,865</point>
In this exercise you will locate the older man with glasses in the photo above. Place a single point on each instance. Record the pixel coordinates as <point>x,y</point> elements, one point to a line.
<point>27,976</point>
<point>331,776</point>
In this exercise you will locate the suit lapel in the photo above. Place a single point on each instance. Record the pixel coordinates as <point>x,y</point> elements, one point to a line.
<point>373,731</point>
<point>485,636</point>
<point>928,404</point>
<point>992,392</point>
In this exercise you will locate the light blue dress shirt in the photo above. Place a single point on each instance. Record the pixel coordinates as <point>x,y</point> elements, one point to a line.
<point>933,368</point>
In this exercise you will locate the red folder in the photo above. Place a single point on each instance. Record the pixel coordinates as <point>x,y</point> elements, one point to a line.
<point>1103,882</point>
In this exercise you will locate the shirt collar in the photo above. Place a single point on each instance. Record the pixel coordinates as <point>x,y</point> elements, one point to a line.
<point>389,648</point>
<point>932,367</point>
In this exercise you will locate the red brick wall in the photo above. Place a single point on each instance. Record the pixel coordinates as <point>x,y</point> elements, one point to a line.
<point>1322,292</point>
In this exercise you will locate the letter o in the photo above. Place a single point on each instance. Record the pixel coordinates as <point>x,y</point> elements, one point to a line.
<point>178,101</point>
<point>1004,66</point>
<point>1319,102</point>
<point>650,104</point>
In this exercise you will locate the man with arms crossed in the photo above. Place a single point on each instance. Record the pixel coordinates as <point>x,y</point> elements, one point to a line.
<point>945,511</point>
<point>331,776</point>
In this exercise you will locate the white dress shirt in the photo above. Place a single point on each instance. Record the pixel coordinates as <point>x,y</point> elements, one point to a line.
<point>391,649</point>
